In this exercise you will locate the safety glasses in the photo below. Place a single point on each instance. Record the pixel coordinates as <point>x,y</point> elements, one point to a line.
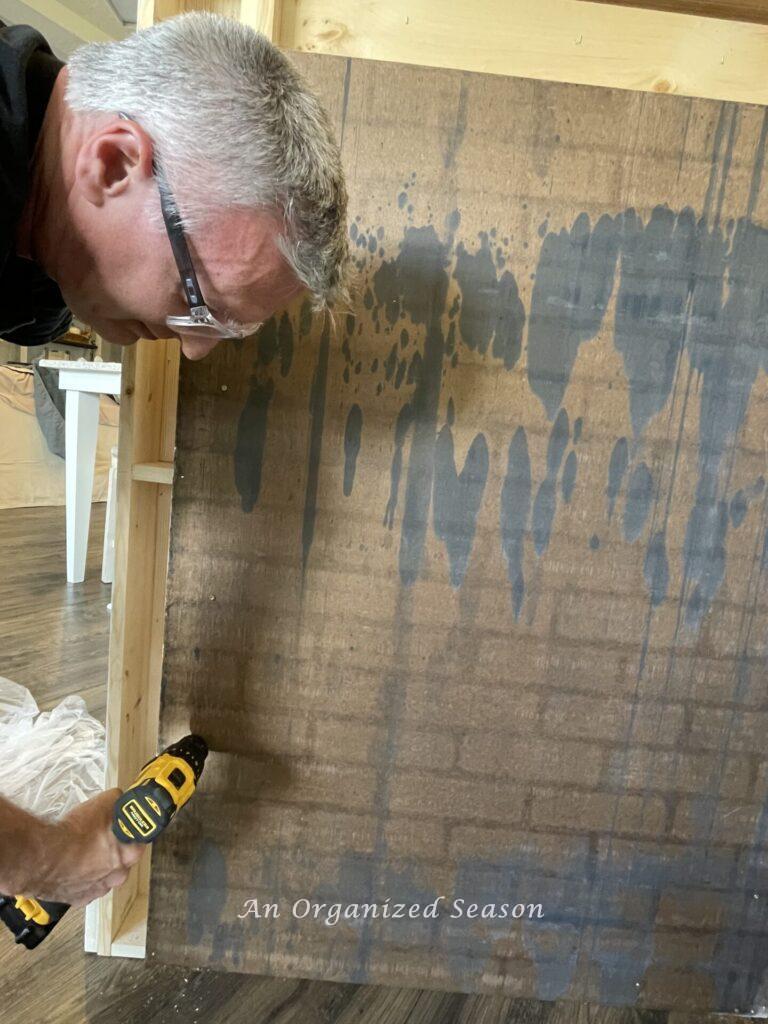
<point>200,321</point>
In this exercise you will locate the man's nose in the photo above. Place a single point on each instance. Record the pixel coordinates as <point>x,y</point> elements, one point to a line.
<point>195,347</point>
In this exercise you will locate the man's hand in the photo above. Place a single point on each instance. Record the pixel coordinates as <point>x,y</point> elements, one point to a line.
<point>80,857</point>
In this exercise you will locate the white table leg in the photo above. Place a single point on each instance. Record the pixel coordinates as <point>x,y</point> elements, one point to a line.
<point>82,425</point>
<point>108,555</point>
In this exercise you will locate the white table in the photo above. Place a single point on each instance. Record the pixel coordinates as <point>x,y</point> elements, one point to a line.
<point>83,382</point>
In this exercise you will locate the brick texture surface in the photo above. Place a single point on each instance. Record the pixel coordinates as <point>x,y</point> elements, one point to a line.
<point>467,589</point>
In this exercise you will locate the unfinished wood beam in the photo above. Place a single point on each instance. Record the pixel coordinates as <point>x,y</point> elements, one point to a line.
<point>730,10</point>
<point>153,472</point>
<point>151,11</point>
<point>555,40</point>
<point>263,15</point>
<point>144,490</point>
<point>147,426</point>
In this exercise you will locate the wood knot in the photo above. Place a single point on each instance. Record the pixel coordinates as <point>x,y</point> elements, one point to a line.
<point>330,33</point>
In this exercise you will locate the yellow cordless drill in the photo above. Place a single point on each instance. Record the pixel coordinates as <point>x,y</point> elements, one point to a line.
<point>141,813</point>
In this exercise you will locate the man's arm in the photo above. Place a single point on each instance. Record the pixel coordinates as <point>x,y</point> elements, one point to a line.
<point>74,860</point>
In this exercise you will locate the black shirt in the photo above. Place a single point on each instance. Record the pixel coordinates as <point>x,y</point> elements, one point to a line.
<point>32,310</point>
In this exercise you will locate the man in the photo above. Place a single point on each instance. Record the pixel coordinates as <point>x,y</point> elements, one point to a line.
<point>183,182</point>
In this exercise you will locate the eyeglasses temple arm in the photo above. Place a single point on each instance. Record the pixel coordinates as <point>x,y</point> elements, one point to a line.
<point>178,244</point>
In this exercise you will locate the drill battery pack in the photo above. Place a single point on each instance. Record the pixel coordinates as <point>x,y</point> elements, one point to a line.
<point>30,920</point>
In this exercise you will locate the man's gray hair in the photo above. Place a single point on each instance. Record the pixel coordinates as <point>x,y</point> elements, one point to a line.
<point>232,123</point>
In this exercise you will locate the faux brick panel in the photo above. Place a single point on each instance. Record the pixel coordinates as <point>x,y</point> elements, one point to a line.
<point>696,909</point>
<point>535,759</point>
<point>543,850</point>
<point>486,560</point>
<point>459,706</point>
<point>733,729</point>
<point>447,797</point>
<point>613,719</point>
<point>718,821</point>
<point>675,772</point>
<point>327,784</point>
<point>597,812</point>
<point>602,618</point>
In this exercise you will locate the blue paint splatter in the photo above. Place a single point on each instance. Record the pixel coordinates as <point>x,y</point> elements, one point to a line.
<point>617,467</point>
<point>569,477</point>
<point>638,503</point>
<point>656,569</point>
<point>574,282</point>
<point>251,442</point>
<point>207,892</point>
<point>514,514</point>
<point>352,434</point>
<point>652,305</point>
<point>546,499</point>
<point>456,499</point>
<point>739,506</point>
<point>490,307</point>
<point>402,426</point>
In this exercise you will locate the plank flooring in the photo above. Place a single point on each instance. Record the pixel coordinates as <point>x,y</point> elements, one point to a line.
<point>53,639</point>
<point>53,635</point>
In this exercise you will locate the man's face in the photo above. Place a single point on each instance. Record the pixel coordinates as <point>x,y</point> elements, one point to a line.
<point>125,281</point>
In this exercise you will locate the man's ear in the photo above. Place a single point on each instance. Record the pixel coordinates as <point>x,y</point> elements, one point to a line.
<point>113,156</point>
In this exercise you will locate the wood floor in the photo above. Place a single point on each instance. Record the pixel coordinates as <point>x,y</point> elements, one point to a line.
<point>53,635</point>
<point>53,639</point>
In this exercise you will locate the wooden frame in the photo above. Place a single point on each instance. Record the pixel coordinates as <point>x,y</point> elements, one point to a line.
<point>563,40</point>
